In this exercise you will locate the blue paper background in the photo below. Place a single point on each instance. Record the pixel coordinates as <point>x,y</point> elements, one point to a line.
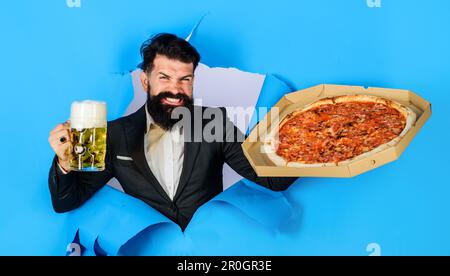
<point>51,55</point>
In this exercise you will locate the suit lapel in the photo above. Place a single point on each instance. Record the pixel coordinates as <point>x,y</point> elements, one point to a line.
<point>190,155</point>
<point>191,150</point>
<point>135,133</point>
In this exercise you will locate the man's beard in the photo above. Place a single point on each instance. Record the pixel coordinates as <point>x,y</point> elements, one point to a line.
<point>161,113</point>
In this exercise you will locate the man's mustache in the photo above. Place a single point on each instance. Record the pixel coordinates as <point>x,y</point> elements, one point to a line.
<point>169,94</point>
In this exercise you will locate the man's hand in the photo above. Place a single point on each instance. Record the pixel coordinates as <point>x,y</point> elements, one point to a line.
<point>59,140</point>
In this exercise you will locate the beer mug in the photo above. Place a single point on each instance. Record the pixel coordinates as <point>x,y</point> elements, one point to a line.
<point>88,128</point>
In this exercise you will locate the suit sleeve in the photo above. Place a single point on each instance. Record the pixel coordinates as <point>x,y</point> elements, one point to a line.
<point>235,158</point>
<point>71,190</point>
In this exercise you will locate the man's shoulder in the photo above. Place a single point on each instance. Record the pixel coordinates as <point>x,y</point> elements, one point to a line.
<point>135,117</point>
<point>204,107</point>
<point>211,109</point>
<point>117,123</point>
<point>118,126</point>
<point>209,113</point>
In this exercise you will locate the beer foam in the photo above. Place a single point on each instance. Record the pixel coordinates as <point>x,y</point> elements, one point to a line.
<point>88,114</point>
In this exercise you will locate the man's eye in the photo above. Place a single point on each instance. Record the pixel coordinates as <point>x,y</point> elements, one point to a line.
<point>187,79</point>
<point>163,78</point>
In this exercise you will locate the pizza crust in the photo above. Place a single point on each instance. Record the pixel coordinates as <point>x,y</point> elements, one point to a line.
<point>270,143</point>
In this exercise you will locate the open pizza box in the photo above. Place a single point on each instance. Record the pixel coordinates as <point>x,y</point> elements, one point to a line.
<point>263,166</point>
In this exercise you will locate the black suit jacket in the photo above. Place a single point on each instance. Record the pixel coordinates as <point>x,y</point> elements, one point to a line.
<point>201,177</point>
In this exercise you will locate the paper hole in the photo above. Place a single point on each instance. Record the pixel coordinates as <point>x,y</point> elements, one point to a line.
<point>374,162</point>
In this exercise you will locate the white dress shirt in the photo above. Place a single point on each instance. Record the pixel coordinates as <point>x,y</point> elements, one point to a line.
<point>164,151</point>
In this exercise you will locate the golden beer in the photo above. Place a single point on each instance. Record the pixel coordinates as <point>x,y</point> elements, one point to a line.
<point>88,136</point>
<point>88,149</point>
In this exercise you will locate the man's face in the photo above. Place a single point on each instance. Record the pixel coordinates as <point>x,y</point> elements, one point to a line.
<point>170,76</point>
<point>169,85</point>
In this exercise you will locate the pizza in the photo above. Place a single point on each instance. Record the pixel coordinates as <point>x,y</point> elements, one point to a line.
<point>338,130</point>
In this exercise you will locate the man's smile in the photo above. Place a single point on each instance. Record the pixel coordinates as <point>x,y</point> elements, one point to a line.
<point>172,101</point>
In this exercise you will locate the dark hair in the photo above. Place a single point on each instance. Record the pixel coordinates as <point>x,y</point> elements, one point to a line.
<point>168,45</point>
